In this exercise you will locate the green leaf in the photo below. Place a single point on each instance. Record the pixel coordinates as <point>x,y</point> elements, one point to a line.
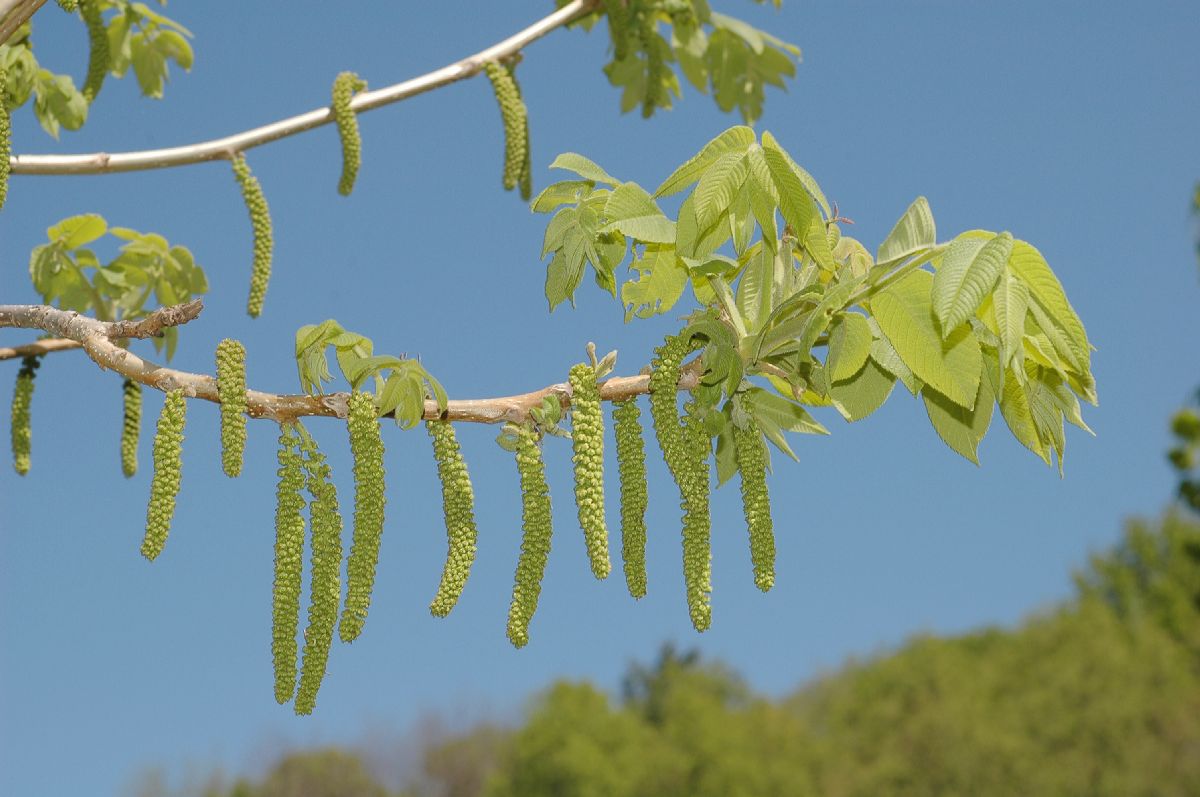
<point>807,180</point>
<point>959,427</point>
<point>1015,408</point>
<point>717,187</point>
<point>149,65</point>
<point>1028,264</point>
<point>849,346</point>
<point>556,229</point>
<point>950,365</point>
<point>560,193</point>
<point>735,139</point>
<point>967,275</point>
<point>914,232</point>
<point>693,242</point>
<point>662,278</point>
<point>795,203</point>
<point>776,415</point>
<point>172,45</point>
<point>585,168</point>
<point>631,210</point>
<point>565,272</point>
<point>863,392</point>
<point>1010,303</point>
<point>754,288</point>
<point>883,355</point>
<point>77,231</point>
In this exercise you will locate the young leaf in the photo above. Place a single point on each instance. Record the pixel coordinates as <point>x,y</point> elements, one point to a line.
<point>914,232</point>
<point>660,284</point>
<point>961,428</point>
<point>863,392</point>
<point>1028,264</point>
<point>849,345</point>
<point>584,168</point>
<point>631,210</point>
<point>950,365</point>
<point>718,186</point>
<point>967,275</point>
<point>1010,303</point>
<point>735,139</point>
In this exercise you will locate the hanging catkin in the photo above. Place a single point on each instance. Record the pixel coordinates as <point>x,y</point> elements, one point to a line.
<point>289,558</point>
<point>164,486</point>
<point>366,445</point>
<point>131,426</point>
<point>5,137</point>
<point>260,222</point>
<point>345,86</point>
<point>231,390</point>
<point>326,584</point>
<point>535,541</point>
<point>98,56</point>
<point>458,506</point>
<point>631,466</point>
<point>587,442</point>
<point>751,454</point>
<point>512,113</point>
<point>22,434</point>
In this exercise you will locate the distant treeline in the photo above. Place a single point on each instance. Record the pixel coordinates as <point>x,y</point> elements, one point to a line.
<point>1098,697</point>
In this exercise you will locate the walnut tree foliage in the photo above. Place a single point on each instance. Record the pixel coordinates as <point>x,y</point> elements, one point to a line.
<point>782,313</point>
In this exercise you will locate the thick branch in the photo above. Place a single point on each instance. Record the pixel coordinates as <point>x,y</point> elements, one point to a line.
<point>96,338</point>
<point>105,163</point>
<point>14,14</point>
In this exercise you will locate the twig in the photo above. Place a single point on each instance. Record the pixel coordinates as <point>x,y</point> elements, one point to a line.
<point>96,338</point>
<point>38,348</point>
<point>220,148</point>
<point>14,14</point>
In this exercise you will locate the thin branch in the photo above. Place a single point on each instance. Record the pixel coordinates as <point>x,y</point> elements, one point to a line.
<point>38,348</point>
<point>14,14</point>
<point>220,148</point>
<point>96,338</point>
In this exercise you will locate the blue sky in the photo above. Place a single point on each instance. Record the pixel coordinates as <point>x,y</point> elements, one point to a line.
<point>1074,125</point>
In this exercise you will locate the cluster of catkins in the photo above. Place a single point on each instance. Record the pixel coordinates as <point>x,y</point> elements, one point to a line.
<point>260,223</point>
<point>516,128</point>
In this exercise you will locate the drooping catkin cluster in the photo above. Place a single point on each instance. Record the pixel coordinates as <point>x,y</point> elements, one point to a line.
<point>260,221</point>
<point>164,486</point>
<point>751,454</point>
<point>289,558</point>
<point>326,584</point>
<point>231,389</point>
<point>5,137</point>
<point>619,28</point>
<point>587,442</point>
<point>685,446</point>
<point>631,465</point>
<point>513,114</point>
<point>458,506</point>
<point>98,56</point>
<point>345,85</point>
<point>535,541</point>
<point>697,523</point>
<point>366,445</point>
<point>131,426</point>
<point>22,433</point>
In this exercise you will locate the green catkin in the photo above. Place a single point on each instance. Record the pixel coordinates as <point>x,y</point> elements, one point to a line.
<point>98,56</point>
<point>618,27</point>
<point>5,137</point>
<point>751,454</point>
<point>260,221</point>
<point>697,523</point>
<point>525,179</point>
<point>164,486</point>
<point>231,389</point>
<point>326,585</point>
<point>656,67</point>
<point>131,426</point>
<point>631,465</point>
<point>366,444</point>
<point>458,506</point>
<point>345,85</point>
<point>68,5</point>
<point>587,442</point>
<point>535,541</point>
<point>512,113</point>
<point>684,445</point>
<point>22,436</point>
<point>289,559</point>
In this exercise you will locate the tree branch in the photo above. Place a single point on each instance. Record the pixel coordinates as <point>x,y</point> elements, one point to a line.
<point>38,348</point>
<point>220,148</point>
<point>96,339</point>
<point>14,14</point>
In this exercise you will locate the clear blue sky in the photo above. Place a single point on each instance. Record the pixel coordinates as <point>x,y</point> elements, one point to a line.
<point>1075,125</point>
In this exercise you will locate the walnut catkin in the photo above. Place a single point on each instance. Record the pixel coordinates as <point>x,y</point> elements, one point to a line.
<point>587,442</point>
<point>164,486</point>
<point>366,445</point>
<point>537,524</point>
<point>22,434</point>
<point>289,558</point>
<point>458,506</point>
<point>512,113</point>
<point>751,454</point>
<point>131,426</point>
<point>98,55</point>
<point>5,137</point>
<point>345,86</point>
<point>260,222</point>
<point>231,389</point>
<point>631,466</point>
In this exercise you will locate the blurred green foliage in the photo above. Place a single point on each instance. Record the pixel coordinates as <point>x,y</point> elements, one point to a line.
<point>1098,696</point>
